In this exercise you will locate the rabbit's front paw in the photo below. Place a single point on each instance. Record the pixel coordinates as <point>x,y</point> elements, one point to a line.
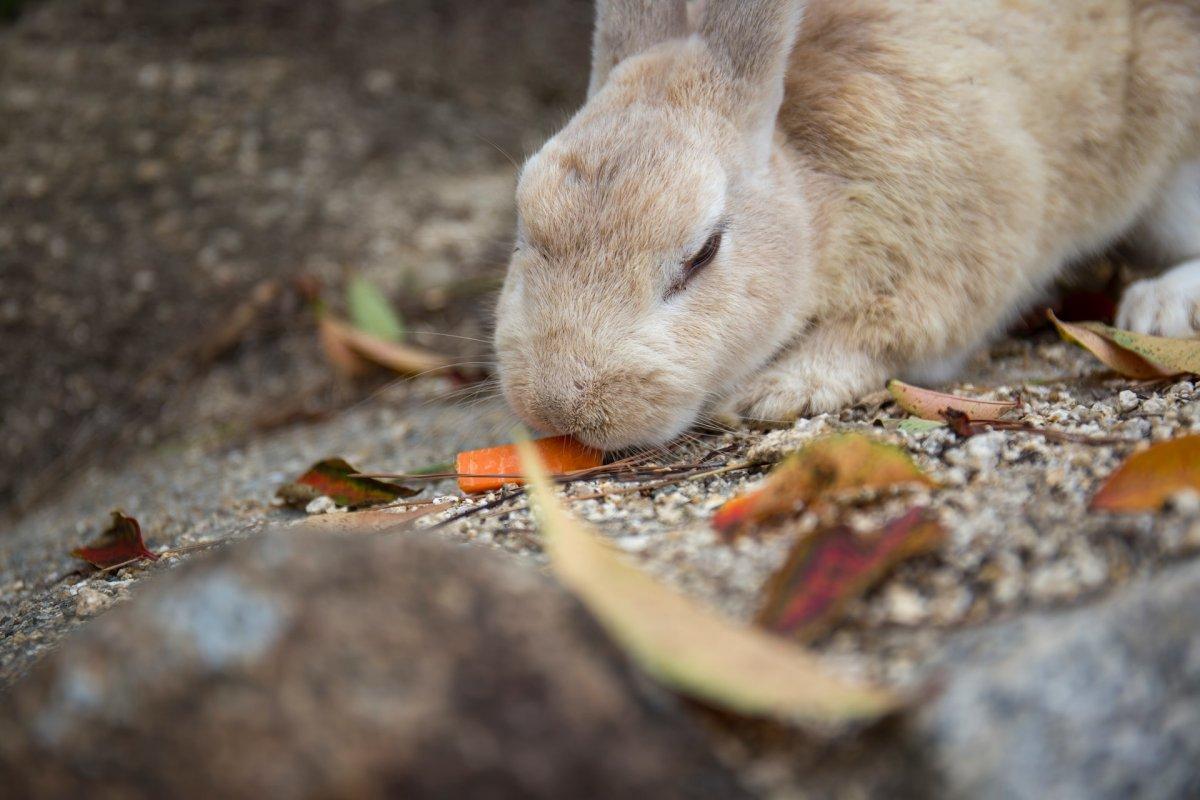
<point>802,385</point>
<point>1168,305</point>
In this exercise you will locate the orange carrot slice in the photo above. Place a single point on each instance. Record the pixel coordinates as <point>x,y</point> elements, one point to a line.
<point>492,467</point>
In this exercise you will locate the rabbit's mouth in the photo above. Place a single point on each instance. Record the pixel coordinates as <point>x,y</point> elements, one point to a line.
<point>611,411</point>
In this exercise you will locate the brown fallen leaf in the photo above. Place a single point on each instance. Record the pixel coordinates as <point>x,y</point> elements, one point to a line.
<point>931,405</point>
<point>238,322</point>
<point>121,543</point>
<point>1148,478</point>
<point>369,521</point>
<point>831,567</point>
<point>1133,355</point>
<point>686,646</point>
<point>352,352</point>
<point>340,356</point>
<point>834,464</point>
<point>335,478</point>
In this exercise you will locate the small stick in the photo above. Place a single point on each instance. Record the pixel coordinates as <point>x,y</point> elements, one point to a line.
<point>623,490</point>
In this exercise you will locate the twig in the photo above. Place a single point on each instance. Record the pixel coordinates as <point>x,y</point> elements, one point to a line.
<point>641,487</point>
<point>965,427</point>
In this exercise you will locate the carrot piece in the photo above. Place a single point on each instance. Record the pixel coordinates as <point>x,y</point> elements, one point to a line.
<point>492,467</point>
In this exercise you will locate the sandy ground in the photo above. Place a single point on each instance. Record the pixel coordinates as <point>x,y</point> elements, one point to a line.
<point>1015,505</point>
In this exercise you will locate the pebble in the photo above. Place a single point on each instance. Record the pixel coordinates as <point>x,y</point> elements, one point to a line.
<point>321,505</point>
<point>1185,502</point>
<point>1127,401</point>
<point>904,605</point>
<point>1154,405</point>
<point>89,602</point>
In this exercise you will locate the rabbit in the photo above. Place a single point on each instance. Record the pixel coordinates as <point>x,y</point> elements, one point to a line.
<point>775,207</point>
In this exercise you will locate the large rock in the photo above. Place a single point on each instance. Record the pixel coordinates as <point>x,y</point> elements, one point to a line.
<point>314,666</point>
<point>1099,702</point>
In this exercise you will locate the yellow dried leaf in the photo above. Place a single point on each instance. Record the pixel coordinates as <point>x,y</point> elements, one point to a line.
<point>1148,478</point>
<point>686,646</point>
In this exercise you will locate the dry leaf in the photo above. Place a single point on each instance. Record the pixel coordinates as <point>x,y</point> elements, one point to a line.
<point>686,646</point>
<point>1148,478</point>
<point>371,312</point>
<point>826,467</point>
<point>1133,355</point>
<point>119,544</point>
<point>931,405</point>
<point>340,356</point>
<point>238,322</point>
<point>369,521</point>
<point>335,478</point>
<point>348,348</point>
<point>829,568</point>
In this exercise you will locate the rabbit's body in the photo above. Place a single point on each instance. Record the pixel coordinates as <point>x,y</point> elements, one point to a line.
<point>876,200</point>
<point>972,150</point>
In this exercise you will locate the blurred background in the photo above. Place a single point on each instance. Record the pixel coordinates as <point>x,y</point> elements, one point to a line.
<point>178,179</point>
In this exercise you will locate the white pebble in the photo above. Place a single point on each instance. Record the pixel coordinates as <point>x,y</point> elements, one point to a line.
<point>321,505</point>
<point>1154,405</point>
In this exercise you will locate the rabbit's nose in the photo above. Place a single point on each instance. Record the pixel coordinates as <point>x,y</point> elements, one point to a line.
<point>550,413</point>
<point>569,406</point>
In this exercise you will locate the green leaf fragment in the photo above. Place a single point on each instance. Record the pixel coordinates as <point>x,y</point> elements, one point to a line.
<point>371,312</point>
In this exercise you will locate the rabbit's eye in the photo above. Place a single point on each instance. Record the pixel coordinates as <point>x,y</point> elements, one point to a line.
<point>703,257</point>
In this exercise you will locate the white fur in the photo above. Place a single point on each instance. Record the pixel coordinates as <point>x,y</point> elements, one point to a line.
<point>1169,305</point>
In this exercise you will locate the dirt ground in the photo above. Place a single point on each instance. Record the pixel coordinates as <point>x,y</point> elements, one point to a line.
<point>158,161</point>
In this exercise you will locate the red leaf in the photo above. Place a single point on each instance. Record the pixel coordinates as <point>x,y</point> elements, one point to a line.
<point>335,478</point>
<point>833,566</point>
<point>120,544</point>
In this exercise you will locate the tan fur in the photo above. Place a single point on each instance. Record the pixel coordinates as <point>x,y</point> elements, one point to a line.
<point>931,166</point>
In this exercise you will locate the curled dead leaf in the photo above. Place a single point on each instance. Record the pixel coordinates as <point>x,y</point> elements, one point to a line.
<point>686,646</point>
<point>352,351</point>
<point>1149,478</point>
<point>336,479</point>
<point>1133,355</point>
<point>829,466</point>
<point>120,543</point>
<point>930,405</point>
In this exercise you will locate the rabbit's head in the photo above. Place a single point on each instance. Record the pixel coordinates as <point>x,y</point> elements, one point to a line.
<point>659,253</point>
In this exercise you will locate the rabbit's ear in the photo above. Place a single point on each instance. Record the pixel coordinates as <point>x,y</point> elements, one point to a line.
<point>751,41</point>
<point>627,27</point>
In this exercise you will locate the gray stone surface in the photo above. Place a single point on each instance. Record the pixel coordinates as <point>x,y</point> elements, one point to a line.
<point>313,665</point>
<point>1095,703</point>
